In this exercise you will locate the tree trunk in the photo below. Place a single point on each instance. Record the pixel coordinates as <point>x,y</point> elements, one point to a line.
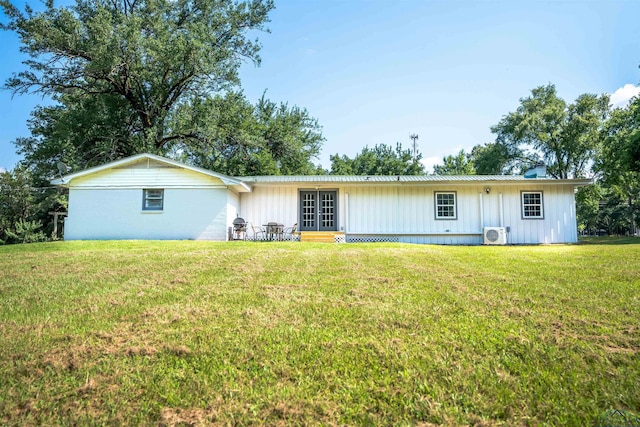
<point>632,219</point>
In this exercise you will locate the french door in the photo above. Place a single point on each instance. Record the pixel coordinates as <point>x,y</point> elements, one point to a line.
<point>318,210</point>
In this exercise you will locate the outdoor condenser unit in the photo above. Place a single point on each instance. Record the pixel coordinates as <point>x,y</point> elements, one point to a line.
<point>494,236</point>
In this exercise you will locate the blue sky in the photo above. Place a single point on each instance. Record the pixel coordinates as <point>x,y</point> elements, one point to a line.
<point>375,72</point>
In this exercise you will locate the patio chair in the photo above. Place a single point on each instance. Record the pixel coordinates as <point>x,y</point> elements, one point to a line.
<point>275,231</point>
<point>290,231</point>
<point>257,231</point>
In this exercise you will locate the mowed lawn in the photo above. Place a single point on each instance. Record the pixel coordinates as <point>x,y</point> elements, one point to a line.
<point>201,333</point>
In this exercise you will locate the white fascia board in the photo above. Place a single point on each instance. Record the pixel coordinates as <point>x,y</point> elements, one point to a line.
<point>65,179</point>
<point>335,184</point>
<point>241,187</point>
<point>227,180</point>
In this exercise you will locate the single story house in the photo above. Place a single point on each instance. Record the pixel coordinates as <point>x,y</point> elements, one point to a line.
<point>152,197</point>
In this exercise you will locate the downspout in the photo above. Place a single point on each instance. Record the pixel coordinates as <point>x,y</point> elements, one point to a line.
<point>397,221</point>
<point>346,214</point>
<point>481,212</point>
<point>501,210</point>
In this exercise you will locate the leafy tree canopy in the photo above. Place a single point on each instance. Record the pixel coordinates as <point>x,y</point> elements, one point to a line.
<point>154,76</point>
<point>497,159</point>
<point>460,164</point>
<point>20,205</point>
<point>618,163</point>
<point>151,56</point>
<point>231,135</point>
<point>379,160</point>
<point>565,135</point>
<point>244,139</point>
<point>621,148</point>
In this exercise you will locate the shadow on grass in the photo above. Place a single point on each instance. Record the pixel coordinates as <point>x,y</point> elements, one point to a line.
<point>608,240</point>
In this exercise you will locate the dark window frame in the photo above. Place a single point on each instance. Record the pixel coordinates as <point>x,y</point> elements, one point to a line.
<point>336,208</point>
<point>522,204</point>
<point>436,205</point>
<point>146,193</point>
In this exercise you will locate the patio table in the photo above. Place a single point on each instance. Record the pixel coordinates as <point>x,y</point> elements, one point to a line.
<point>274,229</point>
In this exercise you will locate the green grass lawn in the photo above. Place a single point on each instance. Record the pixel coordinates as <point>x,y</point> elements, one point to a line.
<point>201,333</point>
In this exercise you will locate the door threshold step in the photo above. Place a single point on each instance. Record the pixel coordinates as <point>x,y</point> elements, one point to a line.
<point>322,236</point>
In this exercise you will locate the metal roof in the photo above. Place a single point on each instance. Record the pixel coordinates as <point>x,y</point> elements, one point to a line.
<point>243,184</point>
<point>291,179</point>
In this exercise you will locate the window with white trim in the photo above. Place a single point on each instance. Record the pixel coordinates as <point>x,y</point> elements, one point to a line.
<point>532,207</point>
<point>152,199</point>
<point>446,207</point>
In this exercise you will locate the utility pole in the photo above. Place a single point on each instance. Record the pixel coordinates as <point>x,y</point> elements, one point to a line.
<point>414,137</point>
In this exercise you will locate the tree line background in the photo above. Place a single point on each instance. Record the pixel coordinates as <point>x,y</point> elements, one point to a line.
<point>161,76</point>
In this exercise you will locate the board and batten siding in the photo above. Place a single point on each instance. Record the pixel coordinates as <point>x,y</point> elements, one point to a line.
<point>559,224</point>
<point>108,205</point>
<point>270,204</point>
<point>408,212</point>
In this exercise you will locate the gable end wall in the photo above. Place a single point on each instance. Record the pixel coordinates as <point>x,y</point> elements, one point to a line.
<point>108,205</point>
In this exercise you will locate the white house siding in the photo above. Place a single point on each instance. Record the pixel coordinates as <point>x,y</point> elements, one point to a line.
<point>154,177</point>
<point>407,213</point>
<point>233,207</point>
<point>108,205</point>
<point>199,214</point>
<point>559,223</point>
<point>270,204</point>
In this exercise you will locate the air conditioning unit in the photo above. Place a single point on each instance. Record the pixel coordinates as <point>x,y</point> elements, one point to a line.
<point>494,236</point>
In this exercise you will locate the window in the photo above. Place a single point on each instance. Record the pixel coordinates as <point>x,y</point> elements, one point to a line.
<point>532,205</point>
<point>446,205</point>
<point>152,200</point>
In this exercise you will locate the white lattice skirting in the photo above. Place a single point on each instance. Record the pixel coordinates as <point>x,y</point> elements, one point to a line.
<point>371,238</point>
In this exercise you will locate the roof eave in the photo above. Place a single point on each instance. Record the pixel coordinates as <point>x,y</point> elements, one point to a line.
<point>452,181</point>
<point>227,180</point>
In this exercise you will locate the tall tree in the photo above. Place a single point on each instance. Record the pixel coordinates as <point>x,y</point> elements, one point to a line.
<point>244,139</point>
<point>459,164</point>
<point>565,135</point>
<point>154,76</point>
<point>382,159</point>
<point>621,151</point>
<point>150,55</point>
<point>588,212</point>
<point>20,208</point>
<point>618,162</point>
<point>82,131</point>
<point>497,159</point>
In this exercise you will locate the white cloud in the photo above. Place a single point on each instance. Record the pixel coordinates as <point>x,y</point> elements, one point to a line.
<point>620,98</point>
<point>430,162</point>
<point>2,170</point>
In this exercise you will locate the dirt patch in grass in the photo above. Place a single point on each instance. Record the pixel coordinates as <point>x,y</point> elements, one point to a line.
<point>196,417</point>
